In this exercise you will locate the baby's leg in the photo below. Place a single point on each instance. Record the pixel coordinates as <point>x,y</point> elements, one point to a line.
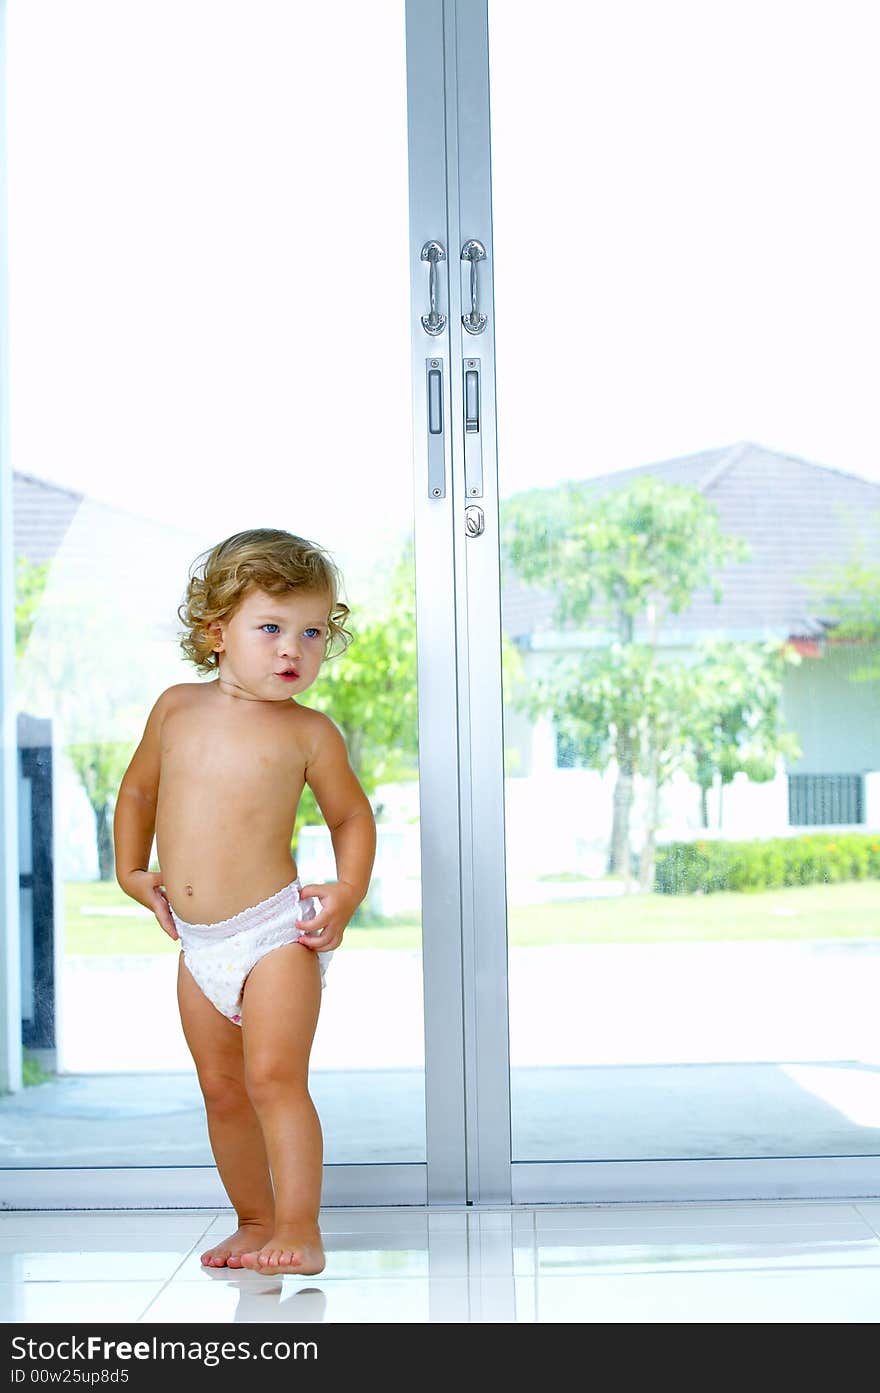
<point>233,1126</point>
<point>282,997</point>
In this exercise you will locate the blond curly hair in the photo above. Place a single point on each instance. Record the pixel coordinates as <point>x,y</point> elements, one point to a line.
<point>266,558</point>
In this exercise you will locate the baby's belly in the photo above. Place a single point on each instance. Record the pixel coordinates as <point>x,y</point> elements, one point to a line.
<point>219,870</point>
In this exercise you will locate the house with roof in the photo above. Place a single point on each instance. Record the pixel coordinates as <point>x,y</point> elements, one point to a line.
<point>798,518</point>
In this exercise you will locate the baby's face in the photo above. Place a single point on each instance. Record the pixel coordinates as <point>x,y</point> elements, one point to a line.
<point>267,636</point>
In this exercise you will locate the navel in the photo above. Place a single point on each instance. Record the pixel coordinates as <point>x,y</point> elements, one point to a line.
<point>188,889</point>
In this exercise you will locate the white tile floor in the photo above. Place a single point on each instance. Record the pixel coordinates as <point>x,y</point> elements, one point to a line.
<point>762,1261</point>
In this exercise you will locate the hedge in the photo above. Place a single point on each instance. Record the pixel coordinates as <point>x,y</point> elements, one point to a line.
<point>683,868</point>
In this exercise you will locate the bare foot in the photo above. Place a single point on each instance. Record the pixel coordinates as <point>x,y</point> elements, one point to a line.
<point>228,1253</point>
<point>288,1250</point>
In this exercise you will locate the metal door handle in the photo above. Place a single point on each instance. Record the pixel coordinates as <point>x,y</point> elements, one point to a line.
<point>433,323</point>
<point>473,252</point>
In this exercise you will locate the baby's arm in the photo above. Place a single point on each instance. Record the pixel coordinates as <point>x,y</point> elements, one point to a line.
<point>134,822</point>
<point>352,824</point>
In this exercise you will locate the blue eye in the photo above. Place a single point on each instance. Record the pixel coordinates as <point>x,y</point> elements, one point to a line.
<point>312,629</point>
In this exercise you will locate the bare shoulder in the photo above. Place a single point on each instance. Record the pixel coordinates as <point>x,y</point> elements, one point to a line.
<point>184,691</point>
<point>320,734</point>
<point>179,697</point>
<point>142,775</point>
<point>183,694</point>
<point>166,701</point>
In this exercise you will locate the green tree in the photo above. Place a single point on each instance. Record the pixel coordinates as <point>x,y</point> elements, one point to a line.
<point>734,716</point>
<point>638,552</point>
<point>68,681</point>
<point>664,730</point>
<point>30,582</point>
<point>617,703</point>
<point>100,765</point>
<point>849,596</point>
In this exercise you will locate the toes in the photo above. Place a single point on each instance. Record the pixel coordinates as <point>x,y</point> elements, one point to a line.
<point>290,1259</point>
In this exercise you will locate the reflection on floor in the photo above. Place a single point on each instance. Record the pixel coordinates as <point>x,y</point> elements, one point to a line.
<point>759,1261</point>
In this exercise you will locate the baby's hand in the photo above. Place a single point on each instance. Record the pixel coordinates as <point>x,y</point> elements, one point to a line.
<point>144,886</point>
<point>338,900</point>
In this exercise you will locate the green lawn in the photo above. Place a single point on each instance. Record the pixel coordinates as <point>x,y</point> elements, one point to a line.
<point>851,910</point>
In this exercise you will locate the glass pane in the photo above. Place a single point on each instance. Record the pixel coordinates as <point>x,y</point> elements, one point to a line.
<point>196,192</point>
<point>683,217</point>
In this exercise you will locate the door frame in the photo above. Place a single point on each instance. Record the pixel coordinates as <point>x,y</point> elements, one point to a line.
<point>476,562</point>
<point>461,742</point>
<point>492,1175</point>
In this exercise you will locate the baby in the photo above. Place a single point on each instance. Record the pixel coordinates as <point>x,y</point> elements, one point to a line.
<point>217,779</point>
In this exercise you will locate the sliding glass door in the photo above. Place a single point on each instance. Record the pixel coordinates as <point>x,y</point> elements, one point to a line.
<point>687,289</point>
<point>195,194</point>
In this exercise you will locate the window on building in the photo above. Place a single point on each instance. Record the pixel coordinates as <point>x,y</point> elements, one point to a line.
<point>825,799</point>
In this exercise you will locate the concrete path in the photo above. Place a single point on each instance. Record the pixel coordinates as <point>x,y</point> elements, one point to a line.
<point>609,1004</point>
